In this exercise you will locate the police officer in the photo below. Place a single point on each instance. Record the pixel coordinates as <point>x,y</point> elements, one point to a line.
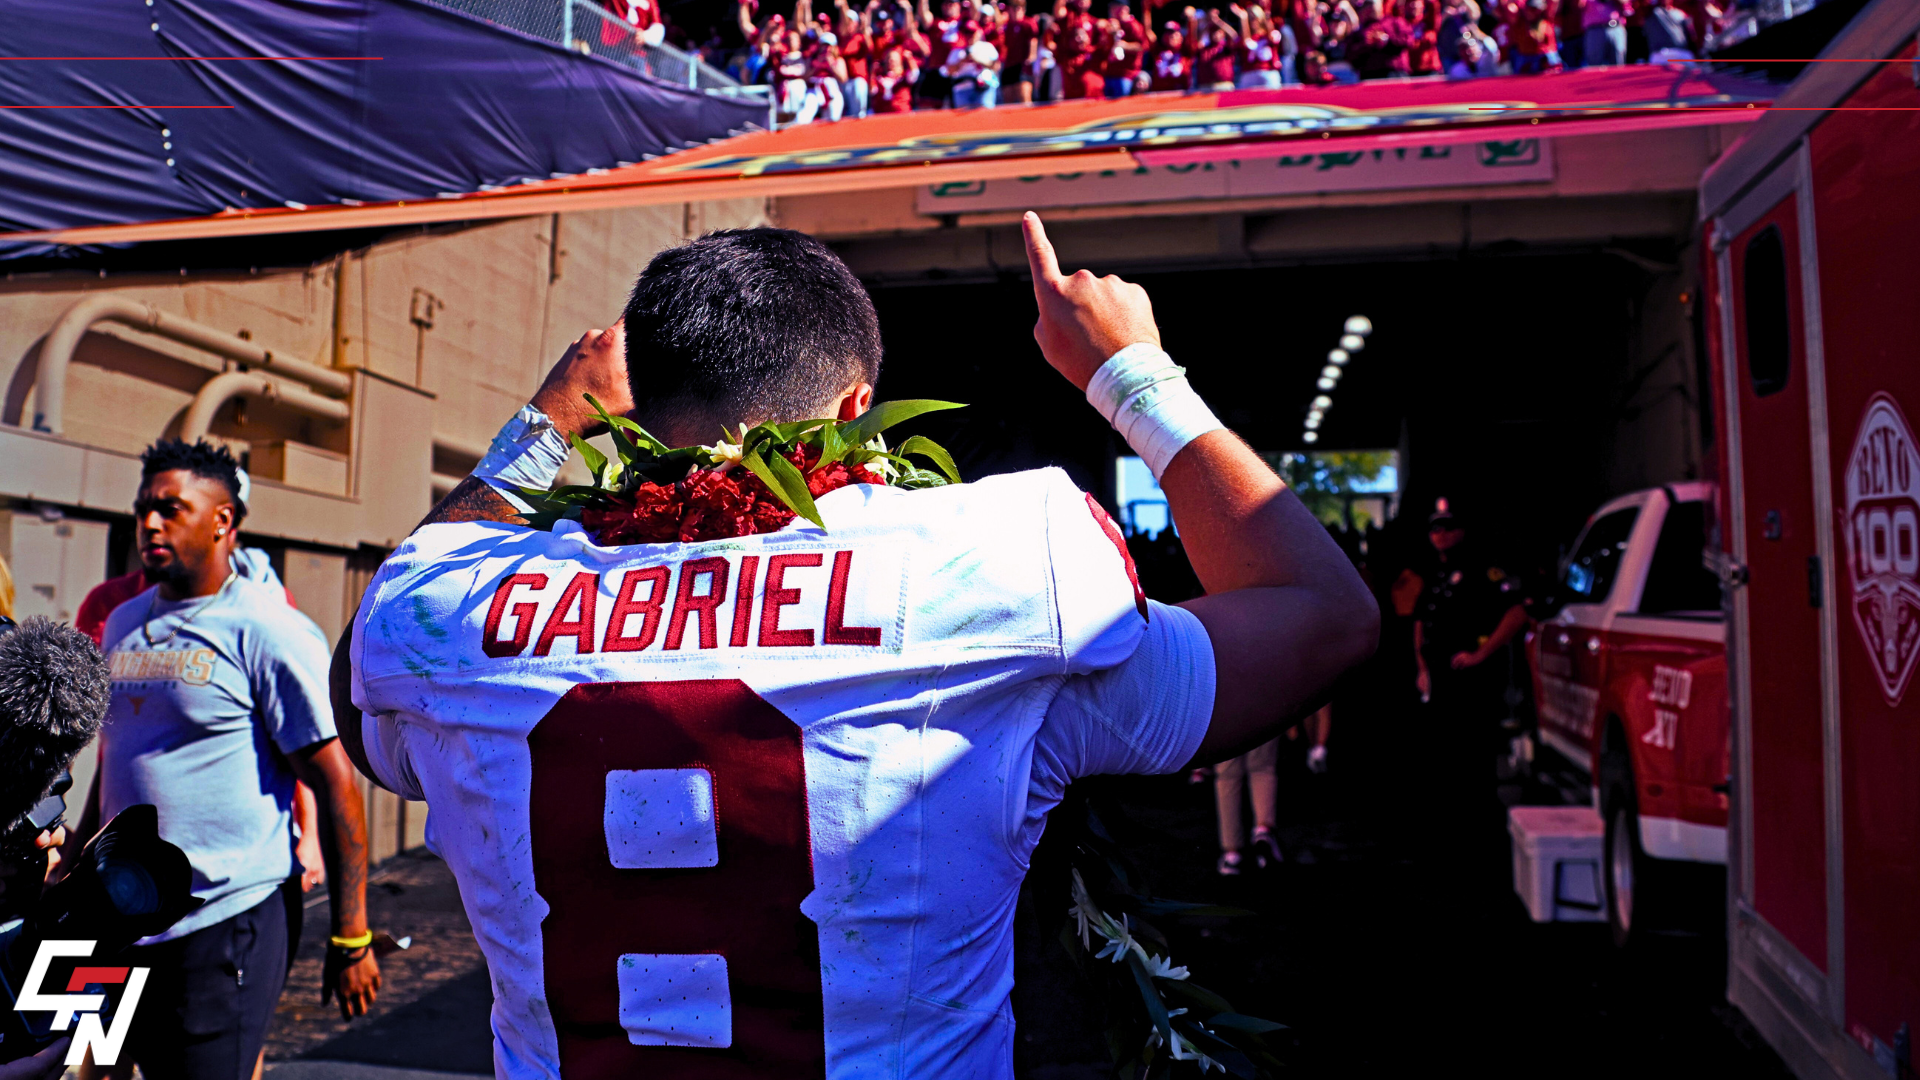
<point>1467,612</point>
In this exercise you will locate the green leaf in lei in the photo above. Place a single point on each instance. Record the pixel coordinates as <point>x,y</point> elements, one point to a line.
<point>596,461</point>
<point>933,451</point>
<point>784,481</point>
<point>886,414</point>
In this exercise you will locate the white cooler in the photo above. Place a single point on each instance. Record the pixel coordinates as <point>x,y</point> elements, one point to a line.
<point>1558,856</point>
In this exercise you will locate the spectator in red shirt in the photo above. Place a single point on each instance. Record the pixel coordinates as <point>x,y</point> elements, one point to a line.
<point>825,72</point>
<point>893,82</point>
<point>1170,64</point>
<point>1215,45</point>
<point>1531,36</point>
<point>943,36</point>
<point>1016,52</point>
<point>642,19</point>
<point>1070,17</point>
<point>1080,71</point>
<point>1267,49</point>
<point>1127,43</point>
<point>1379,49</point>
<point>1423,55</point>
<point>856,52</point>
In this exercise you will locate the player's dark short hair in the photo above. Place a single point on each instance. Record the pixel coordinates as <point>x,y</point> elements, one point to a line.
<point>208,461</point>
<point>749,324</point>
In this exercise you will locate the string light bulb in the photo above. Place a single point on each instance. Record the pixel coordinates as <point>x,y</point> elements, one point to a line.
<point>1330,371</point>
<point>1359,324</point>
<point>1353,343</point>
<point>1323,402</point>
<point>1339,356</point>
<point>1325,384</point>
<point>1309,436</point>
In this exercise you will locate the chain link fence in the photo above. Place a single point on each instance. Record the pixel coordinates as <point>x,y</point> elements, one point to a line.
<point>585,27</point>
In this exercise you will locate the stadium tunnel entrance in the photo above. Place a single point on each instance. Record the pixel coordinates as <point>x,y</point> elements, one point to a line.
<point>1526,388</point>
<point>1537,343</point>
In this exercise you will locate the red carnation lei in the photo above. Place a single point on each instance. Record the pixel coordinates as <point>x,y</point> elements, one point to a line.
<point>712,505</point>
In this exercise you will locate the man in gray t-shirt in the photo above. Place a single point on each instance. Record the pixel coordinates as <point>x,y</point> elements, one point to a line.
<point>210,697</point>
<point>219,705</point>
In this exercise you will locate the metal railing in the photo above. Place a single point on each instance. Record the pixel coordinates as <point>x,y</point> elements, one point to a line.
<point>1745,18</point>
<point>585,27</point>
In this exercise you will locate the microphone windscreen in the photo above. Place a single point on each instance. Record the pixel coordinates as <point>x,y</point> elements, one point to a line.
<point>54,691</point>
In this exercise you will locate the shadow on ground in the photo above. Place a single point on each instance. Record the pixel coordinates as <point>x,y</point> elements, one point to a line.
<point>1389,941</point>
<point>444,1031</point>
<point>434,999</point>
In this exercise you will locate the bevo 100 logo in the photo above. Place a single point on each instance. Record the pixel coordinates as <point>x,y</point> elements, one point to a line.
<point>89,1033</point>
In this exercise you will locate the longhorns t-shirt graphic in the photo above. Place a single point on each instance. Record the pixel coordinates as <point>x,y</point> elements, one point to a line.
<point>1883,542</point>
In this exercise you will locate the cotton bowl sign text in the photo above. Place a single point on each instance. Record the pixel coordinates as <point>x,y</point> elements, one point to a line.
<point>1883,542</point>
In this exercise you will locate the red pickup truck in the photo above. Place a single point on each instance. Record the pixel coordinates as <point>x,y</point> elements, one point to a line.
<point>1630,681</point>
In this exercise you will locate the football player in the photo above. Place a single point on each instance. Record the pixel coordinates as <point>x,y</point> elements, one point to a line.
<point>760,807</point>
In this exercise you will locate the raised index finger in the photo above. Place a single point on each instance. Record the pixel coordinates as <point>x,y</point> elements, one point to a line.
<point>1040,257</point>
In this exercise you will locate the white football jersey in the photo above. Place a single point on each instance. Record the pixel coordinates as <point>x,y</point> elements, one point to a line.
<point>762,807</point>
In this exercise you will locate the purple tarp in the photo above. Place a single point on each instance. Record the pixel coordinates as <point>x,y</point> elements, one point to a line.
<point>454,104</point>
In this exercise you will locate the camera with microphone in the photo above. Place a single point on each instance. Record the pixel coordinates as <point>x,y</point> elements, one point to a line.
<point>126,884</point>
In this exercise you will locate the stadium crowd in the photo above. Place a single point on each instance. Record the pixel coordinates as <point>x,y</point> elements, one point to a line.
<point>896,56</point>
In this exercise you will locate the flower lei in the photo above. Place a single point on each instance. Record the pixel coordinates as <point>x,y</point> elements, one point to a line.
<point>756,480</point>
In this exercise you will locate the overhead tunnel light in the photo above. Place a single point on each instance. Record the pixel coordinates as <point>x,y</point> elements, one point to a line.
<point>1339,356</point>
<point>1323,403</point>
<point>1353,343</point>
<point>1325,384</point>
<point>1309,436</point>
<point>1359,324</point>
<point>1330,371</point>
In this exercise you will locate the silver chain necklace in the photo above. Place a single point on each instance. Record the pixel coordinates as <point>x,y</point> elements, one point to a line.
<point>154,600</point>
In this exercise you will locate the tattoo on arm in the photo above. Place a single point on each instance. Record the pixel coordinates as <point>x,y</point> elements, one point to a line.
<point>472,499</point>
<point>350,853</point>
<point>343,835</point>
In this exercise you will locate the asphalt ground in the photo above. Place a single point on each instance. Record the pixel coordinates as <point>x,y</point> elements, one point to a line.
<point>1390,943</point>
<point>431,1014</point>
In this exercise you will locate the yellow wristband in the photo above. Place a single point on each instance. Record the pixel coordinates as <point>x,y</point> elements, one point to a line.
<point>359,941</point>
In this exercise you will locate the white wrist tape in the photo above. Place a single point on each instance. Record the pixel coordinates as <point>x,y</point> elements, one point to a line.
<point>1147,399</point>
<point>527,453</point>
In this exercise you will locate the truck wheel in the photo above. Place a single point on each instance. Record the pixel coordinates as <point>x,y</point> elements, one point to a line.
<point>1639,888</point>
<point>1625,877</point>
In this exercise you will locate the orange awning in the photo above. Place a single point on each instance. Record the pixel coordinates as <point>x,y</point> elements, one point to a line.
<point>940,147</point>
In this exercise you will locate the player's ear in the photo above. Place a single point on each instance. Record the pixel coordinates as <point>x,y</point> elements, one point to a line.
<point>856,399</point>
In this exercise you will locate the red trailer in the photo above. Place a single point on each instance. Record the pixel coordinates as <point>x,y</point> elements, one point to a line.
<point>1812,230</point>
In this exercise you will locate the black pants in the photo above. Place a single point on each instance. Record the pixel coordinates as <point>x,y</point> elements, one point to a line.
<point>207,1004</point>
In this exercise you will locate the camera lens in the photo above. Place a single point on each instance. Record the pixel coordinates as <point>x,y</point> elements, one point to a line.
<point>129,888</point>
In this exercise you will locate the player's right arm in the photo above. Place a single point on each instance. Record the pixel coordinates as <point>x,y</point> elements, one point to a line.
<point>596,364</point>
<point>1285,610</point>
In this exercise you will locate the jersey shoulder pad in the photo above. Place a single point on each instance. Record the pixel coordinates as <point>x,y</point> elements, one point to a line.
<point>1100,609</point>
